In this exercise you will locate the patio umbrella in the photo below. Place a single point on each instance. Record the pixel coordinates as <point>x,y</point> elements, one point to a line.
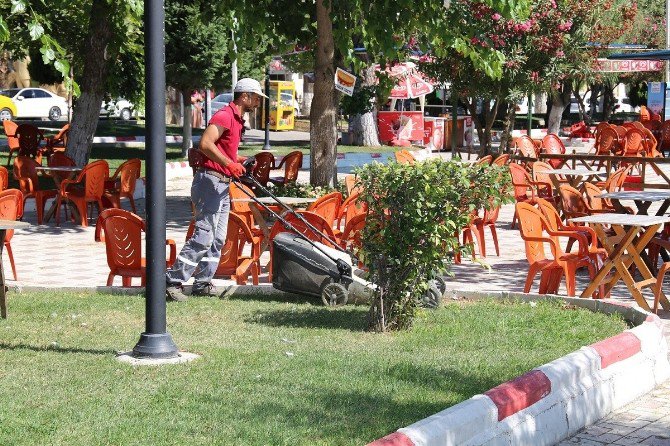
<point>409,82</point>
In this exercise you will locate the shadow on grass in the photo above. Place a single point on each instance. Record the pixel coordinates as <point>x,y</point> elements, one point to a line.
<point>352,319</point>
<point>56,348</point>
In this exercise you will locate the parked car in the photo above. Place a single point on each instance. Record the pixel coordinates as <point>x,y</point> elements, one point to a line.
<point>117,108</point>
<point>36,103</point>
<point>7,108</point>
<point>220,101</point>
<point>623,105</point>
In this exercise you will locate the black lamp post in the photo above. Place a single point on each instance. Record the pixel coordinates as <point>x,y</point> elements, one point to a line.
<point>266,109</point>
<point>155,342</point>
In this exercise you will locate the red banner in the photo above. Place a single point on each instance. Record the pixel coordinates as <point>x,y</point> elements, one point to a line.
<point>627,66</point>
<point>404,125</point>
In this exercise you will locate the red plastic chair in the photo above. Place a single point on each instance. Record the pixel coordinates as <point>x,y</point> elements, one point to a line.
<point>523,184</point>
<point>11,208</point>
<point>29,138</point>
<point>123,243</point>
<point>58,142</point>
<point>350,208</point>
<point>265,162</point>
<point>60,159</point>
<point>552,144</point>
<point>13,142</point>
<point>351,236</point>
<point>291,164</point>
<point>327,206</point>
<point>525,146</point>
<point>25,173</point>
<point>502,160</point>
<point>4,178</point>
<point>122,183</point>
<point>484,161</point>
<point>87,188</point>
<point>477,226</point>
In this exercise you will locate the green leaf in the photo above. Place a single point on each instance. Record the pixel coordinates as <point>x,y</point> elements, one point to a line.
<point>18,7</point>
<point>36,30</point>
<point>4,31</point>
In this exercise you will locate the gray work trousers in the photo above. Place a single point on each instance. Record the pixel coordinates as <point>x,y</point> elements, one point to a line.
<point>199,257</point>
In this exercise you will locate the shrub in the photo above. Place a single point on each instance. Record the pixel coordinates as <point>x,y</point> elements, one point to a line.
<point>411,234</point>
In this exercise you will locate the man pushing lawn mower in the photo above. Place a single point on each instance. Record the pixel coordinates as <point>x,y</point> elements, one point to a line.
<point>200,255</point>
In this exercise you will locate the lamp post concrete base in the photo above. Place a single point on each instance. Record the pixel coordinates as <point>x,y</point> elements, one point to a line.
<point>181,358</point>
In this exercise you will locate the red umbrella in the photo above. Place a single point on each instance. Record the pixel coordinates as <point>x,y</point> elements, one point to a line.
<point>410,83</point>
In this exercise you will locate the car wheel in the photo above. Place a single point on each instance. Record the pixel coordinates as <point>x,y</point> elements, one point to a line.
<point>6,115</point>
<point>54,113</point>
<point>125,114</point>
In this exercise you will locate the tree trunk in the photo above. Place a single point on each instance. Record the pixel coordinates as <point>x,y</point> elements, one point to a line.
<point>472,107</point>
<point>508,126</point>
<point>96,65</point>
<point>559,100</point>
<point>323,116</point>
<point>609,102</point>
<point>187,132</point>
<point>364,126</point>
<point>307,95</point>
<point>540,102</point>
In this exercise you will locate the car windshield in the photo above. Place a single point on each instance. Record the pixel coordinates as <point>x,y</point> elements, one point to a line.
<point>223,97</point>
<point>10,93</point>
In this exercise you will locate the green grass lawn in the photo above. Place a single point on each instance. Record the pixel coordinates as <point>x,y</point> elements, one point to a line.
<point>272,372</point>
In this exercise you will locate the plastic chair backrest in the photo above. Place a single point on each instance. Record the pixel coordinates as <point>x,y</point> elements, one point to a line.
<point>123,238</point>
<point>10,131</point>
<point>351,236</point>
<point>60,138</point>
<point>635,142</point>
<point>651,143</point>
<point>241,208</point>
<point>501,160</point>
<point>127,174</point>
<point>93,177</point>
<point>25,173</point>
<point>592,193</point>
<point>531,228</point>
<point>292,164</point>
<point>314,219</point>
<point>553,219</point>
<point>599,128</point>
<point>525,146</point>
<point>665,131</point>
<point>539,168</point>
<point>520,180</point>
<point>265,162</point>
<point>638,125</point>
<point>237,237</point>
<point>404,156</point>
<point>29,138</point>
<point>327,206</point>
<point>485,160</point>
<point>572,201</point>
<point>351,207</point>
<point>4,178</point>
<point>60,159</point>
<point>608,142</point>
<point>552,144</point>
<point>11,208</point>
<point>350,183</point>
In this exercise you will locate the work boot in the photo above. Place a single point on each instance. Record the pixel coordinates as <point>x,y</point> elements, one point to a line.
<point>175,293</point>
<point>205,289</point>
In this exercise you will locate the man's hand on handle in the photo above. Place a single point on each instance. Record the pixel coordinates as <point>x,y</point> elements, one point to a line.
<point>236,169</point>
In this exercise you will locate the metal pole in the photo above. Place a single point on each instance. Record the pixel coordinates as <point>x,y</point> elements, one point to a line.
<point>530,113</point>
<point>234,67</point>
<point>454,121</point>
<point>208,106</point>
<point>155,342</point>
<point>266,109</point>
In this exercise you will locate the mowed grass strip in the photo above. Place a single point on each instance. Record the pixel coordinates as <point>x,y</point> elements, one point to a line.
<point>272,372</point>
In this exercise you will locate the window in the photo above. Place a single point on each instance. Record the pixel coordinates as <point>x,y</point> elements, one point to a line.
<point>41,94</point>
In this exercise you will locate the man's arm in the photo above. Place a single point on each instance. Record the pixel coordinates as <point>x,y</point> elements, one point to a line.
<point>208,145</point>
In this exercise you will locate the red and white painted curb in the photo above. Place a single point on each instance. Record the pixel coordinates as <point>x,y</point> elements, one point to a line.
<point>557,399</point>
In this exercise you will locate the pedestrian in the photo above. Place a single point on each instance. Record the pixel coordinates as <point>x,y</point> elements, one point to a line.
<point>196,109</point>
<point>199,258</point>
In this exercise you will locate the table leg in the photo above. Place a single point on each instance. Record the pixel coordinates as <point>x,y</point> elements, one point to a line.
<point>3,290</point>
<point>664,207</point>
<point>642,207</point>
<point>620,208</point>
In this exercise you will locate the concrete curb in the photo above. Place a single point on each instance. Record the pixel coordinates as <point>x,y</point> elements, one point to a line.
<point>554,401</point>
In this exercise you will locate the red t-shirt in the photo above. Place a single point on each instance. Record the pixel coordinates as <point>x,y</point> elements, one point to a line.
<point>229,118</point>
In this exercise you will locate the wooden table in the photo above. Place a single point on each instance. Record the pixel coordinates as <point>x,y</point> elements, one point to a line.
<point>643,200</point>
<point>292,202</point>
<point>4,226</point>
<point>632,234</point>
<point>49,170</point>
<point>574,175</point>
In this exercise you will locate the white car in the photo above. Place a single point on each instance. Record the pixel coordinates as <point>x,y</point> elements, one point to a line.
<point>119,108</point>
<point>36,103</point>
<point>219,102</point>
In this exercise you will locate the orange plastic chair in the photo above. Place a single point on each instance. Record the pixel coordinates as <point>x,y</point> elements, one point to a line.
<point>525,146</point>
<point>635,142</point>
<point>351,236</point>
<point>13,142</point>
<point>477,225</point>
<point>327,206</point>
<point>665,136</point>
<point>58,142</point>
<point>350,208</point>
<point>644,113</point>
<point>542,180</point>
<point>88,187</point>
<point>592,192</point>
<point>484,161</point>
<point>122,183</point>
<point>25,173</point>
<point>404,156</point>
<point>502,160</point>
<point>29,138</point>
<point>350,184</point>
<point>573,203</point>
<point>291,164</point>
<point>598,131</point>
<point>242,208</point>
<point>11,208</point>
<point>536,232</point>
<point>314,219</point>
<point>60,159</point>
<point>4,178</point>
<point>123,244</point>
<point>552,144</point>
<point>523,184</point>
<point>651,144</point>
<point>265,162</point>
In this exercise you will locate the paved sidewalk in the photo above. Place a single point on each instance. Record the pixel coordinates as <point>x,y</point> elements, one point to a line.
<point>51,257</point>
